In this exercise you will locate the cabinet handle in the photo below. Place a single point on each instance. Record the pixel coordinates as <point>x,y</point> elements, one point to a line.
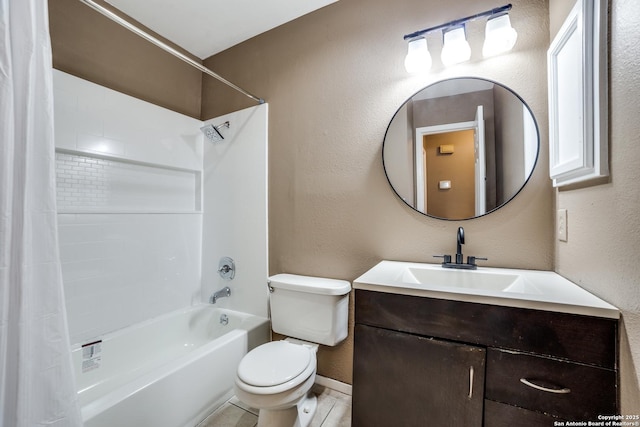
<point>546,389</point>
<point>470,382</point>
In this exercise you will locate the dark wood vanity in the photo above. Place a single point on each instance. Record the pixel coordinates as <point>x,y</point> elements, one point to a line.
<point>421,361</point>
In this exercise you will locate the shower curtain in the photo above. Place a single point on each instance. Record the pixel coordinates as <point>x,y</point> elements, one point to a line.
<point>36,377</point>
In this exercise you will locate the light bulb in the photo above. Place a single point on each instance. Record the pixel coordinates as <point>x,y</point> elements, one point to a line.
<point>456,49</point>
<point>418,58</point>
<point>499,36</point>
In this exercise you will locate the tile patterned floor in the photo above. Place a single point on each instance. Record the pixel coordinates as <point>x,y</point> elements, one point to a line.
<point>334,410</point>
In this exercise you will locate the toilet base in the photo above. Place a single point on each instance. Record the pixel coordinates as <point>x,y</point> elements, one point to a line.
<point>296,416</point>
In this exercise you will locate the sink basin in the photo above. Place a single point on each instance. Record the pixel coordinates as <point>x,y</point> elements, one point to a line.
<point>543,290</point>
<point>469,279</point>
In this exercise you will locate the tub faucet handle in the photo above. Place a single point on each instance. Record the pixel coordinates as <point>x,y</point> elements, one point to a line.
<point>227,268</point>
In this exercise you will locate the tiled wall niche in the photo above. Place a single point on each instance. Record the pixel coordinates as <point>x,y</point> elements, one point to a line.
<point>88,183</point>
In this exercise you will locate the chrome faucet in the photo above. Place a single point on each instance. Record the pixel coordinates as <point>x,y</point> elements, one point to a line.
<point>459,261</point>
<point>224,292</point>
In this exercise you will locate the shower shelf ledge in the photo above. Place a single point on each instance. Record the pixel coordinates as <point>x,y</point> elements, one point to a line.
<point>128,212</point>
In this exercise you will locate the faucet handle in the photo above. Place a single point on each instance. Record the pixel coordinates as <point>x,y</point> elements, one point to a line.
<point>471,260</point>
<point>446,258</point>
<point>226,268</point>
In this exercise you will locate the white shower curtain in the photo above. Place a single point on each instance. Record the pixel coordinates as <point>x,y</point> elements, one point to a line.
<point>36,377</point>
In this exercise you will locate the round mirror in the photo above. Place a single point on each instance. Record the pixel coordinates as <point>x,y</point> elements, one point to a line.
<point>460,148</point>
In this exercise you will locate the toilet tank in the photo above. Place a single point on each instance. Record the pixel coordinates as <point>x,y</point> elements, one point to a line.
<point>310,308</point>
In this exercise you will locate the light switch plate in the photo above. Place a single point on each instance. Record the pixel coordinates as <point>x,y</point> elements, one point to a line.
<point>561,224</point>
<point>444,185</point>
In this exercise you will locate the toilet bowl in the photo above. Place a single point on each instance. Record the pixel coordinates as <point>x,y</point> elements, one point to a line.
<point>277,377</point>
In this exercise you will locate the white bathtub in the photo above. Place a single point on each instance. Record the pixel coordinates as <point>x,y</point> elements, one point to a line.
<point>170,371</point>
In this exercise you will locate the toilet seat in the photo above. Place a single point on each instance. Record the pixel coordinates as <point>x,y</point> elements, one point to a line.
<point>275,367</point>
<point>273,363</point>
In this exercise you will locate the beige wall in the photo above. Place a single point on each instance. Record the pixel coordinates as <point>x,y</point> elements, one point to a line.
<point>603,246</point>
<point>90,46</point>
<point>333,80</point>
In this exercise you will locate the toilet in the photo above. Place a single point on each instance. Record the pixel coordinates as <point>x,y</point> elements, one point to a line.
<point>277,377</point>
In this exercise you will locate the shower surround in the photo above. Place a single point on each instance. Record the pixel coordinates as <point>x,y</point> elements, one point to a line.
<point>143,199</point>
<point>129,210</point>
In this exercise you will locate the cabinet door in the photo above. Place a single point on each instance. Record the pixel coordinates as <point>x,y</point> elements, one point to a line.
<point>406,380</point>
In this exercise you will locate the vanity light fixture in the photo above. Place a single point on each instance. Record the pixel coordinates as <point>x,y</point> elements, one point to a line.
<point>418,58</point>
<point>499,37</point>
<point>455,47</point>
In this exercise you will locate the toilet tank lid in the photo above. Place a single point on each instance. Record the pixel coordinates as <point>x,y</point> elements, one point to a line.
<point>314,285</point>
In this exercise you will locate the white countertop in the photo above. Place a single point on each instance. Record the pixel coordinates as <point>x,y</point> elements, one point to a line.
<point>539,290</point>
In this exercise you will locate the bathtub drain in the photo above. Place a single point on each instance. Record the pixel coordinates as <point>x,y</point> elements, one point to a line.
<point>224,319</point>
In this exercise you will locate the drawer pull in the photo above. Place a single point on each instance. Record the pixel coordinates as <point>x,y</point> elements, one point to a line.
<point>541,388</point>
<point>470,382</point>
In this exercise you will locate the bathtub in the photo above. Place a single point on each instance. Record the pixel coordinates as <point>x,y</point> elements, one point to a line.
<point>170,371</point>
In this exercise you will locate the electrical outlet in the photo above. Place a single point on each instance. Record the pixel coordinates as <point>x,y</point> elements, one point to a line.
<point>561,224</point>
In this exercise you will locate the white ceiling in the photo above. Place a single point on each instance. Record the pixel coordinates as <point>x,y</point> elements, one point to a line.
<point>206,27</point>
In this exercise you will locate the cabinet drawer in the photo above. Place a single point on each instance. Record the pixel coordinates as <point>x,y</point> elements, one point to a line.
<point>582,339</point>
<point>568,390</point>
<point>502,415</point>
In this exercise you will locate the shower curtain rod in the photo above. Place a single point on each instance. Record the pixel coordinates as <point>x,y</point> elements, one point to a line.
<point>129,26</point>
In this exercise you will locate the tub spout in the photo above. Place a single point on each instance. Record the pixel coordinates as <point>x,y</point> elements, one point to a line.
<point>224,292</point>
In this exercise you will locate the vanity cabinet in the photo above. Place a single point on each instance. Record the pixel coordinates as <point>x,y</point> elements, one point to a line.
<point>405,380</point>
<point>413,357</point>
